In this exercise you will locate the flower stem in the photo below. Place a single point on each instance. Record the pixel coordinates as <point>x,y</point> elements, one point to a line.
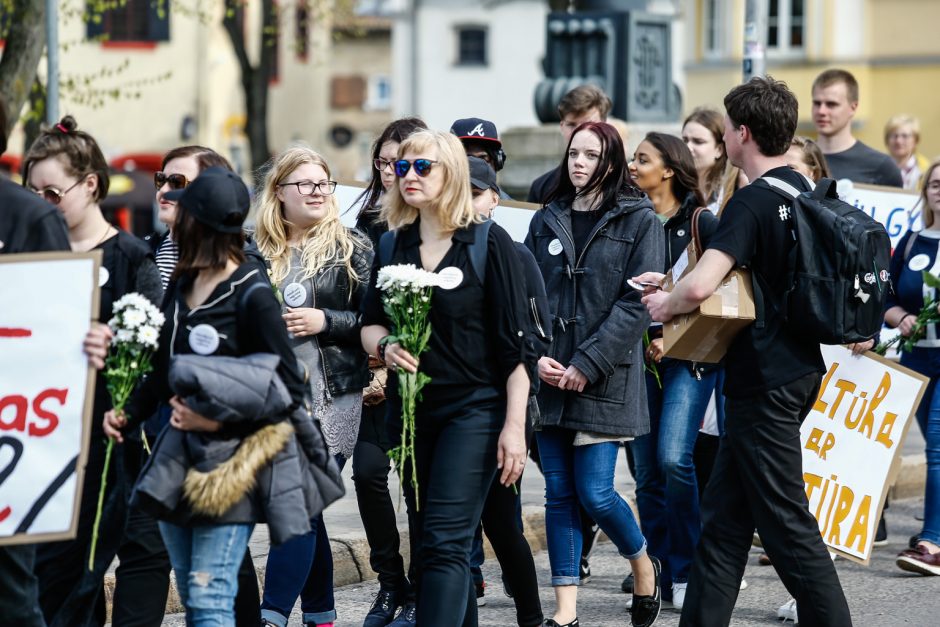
<point>101,490</point>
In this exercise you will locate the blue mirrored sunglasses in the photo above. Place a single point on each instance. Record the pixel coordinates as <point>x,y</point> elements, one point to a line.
<point>422,167</point>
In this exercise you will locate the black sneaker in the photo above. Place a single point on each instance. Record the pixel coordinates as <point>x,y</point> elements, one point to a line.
<point>881,536</point>
<point>407,617</point>
<point>383,609</point>
<point>590,540</point>
<point>584,570</point>
<point>481,590</point>
<point>627,584</point>
<point>645,609</point>
<point>549,622</point>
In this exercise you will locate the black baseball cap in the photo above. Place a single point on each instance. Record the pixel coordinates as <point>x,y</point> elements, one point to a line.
<point>217,197</point>
<point>476,129</point>
<point>482,176</point>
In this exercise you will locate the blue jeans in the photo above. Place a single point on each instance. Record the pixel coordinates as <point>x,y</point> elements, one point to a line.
<point>582,474</point>
<point>302,566</point>
<point>206,561</point>
<point>666,487</point>
<point>927,362</point>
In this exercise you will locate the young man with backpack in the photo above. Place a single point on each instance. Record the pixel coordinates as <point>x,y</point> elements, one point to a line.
<point>773,376</point>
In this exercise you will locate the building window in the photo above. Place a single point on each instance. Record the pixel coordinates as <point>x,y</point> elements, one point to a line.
<point>786,25</point>
<point>713,23</point>
<point>131,21</point>
<point>379,93</point>
<point>471,45</point>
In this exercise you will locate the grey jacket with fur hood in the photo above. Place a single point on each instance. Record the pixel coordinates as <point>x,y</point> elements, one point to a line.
<point>254,470</point>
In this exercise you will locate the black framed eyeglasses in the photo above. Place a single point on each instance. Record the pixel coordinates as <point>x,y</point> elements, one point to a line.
<point>174,181</point>
<point>53,195</point>
<point>305,188</point>
<point>380,164</point>
<point>422,167</point>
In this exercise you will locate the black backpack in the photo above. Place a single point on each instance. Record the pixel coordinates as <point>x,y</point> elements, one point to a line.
<point>838,270</point>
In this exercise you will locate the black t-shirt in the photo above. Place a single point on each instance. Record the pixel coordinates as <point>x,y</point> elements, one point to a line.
<point>582,223</point>
<point>755,229</point>
<point>28,224</point>
<point>477,330</point>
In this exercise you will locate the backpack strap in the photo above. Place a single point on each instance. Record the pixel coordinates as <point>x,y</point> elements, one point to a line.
<point>785,187</point>
<point>910,245</point>
<point>386,248</point>
<point>478,249</point>
<point>694,228</point>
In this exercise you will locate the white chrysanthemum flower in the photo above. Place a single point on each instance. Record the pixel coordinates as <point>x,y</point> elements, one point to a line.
<point>133,318</point>
<point>123,336</point>
<point>148,336</point>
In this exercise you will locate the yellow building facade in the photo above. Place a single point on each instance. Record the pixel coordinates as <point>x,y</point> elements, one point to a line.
<point>891,46</point>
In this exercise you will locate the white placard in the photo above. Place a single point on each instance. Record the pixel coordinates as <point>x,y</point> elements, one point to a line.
<point>897,209</point>
<point>47,302</point>
<point>851,441</point>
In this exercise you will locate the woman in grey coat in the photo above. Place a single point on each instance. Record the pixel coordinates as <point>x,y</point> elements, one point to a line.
<point>594,234</point>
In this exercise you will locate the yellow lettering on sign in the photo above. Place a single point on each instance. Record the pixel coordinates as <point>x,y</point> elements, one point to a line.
<point>884,433</point>
<point>844,386</point>
<point>819,405</point>
<point>846,496</point>
<point>858,533</point>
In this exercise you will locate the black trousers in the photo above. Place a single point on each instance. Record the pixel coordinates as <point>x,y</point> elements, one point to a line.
<point>19,591</point>
<point>371,466</point>
<point>71,595</point>
<point>757,483</point>
<point>513,553</point>
<point>455,453</point>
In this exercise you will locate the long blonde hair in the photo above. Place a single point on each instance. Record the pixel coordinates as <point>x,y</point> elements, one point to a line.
<point>326,242</point>
<point>454,206</point>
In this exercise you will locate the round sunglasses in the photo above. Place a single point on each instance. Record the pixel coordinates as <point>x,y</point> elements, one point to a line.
<point>175,181</point>
<point>422,167</point>
<point>53,195</point>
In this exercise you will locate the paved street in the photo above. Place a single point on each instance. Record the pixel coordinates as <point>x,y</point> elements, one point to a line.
<point>879,595</point>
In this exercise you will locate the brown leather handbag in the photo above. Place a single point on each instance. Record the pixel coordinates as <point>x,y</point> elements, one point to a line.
<point>374,392</point>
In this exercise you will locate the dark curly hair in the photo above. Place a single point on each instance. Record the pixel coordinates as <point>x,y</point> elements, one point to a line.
<point>768,109</point>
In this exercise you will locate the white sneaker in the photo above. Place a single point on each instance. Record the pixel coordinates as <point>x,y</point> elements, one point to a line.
<point>678,595</point>
<point>787,611</point>
<point>743,585</point>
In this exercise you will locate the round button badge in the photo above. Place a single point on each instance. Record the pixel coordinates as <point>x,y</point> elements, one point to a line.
<point>449,278</point>
<point>103,276</point>
<point>919,262</point>
<point>555,247</point>
<point>204,339</point>
<point>295,295</point>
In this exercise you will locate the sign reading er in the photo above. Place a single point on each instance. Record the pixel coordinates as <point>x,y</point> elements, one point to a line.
<point>47,301</point>
<point>851,439</point>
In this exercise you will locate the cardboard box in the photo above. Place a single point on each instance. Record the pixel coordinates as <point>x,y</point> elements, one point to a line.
<point>705,334</point>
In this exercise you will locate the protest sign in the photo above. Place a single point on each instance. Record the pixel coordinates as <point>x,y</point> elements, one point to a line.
<point>897,209</point>
<point>509,214</point>
<point>851,441</point>
<point>47,302</point>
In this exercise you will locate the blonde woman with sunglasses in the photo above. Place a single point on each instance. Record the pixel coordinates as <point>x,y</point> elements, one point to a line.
<point>321,270</point>
<point>471,419</point>
<point>66,167</point>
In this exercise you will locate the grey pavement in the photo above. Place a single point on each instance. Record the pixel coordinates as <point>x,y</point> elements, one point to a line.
<point>879,594</point>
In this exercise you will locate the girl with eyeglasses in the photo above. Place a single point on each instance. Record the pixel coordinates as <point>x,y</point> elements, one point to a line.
<point>66,167</point>
<point>470,423</point>
<point>321,270</point>
<point>371,464</point>
<point>596,232</point>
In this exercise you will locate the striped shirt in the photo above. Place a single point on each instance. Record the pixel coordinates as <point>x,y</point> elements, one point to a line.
<point>167,256</point>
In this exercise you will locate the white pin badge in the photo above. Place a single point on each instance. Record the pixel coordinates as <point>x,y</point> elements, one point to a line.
<point>555,247</point>
<point>295,295</point>
<point>204,339</point>
<point>919,262</point>
<point>449,278</point>
<point>103,276</point>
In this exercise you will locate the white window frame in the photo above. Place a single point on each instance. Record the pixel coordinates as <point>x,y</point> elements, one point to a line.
<point>375,101</point>
<point>717,23</point>
<point>784,49</point>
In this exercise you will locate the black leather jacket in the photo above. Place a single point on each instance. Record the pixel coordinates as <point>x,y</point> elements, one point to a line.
<point>345,363</point>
